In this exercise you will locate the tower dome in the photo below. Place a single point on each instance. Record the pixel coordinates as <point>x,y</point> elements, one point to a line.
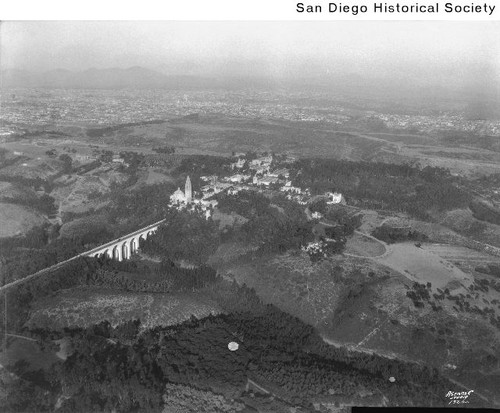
<point>177,197</point>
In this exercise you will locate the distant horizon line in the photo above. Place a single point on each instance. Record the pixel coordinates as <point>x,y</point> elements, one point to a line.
<point>327,74</point>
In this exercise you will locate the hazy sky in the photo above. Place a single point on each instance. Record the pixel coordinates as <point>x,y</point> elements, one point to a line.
<point>426,50</point>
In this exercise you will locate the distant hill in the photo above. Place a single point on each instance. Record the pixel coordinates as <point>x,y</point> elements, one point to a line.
<point>138,77</point>
<point>114,78</point>
<point>135,77</point>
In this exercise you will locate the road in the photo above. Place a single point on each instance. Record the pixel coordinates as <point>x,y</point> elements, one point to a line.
<point>21,337</point>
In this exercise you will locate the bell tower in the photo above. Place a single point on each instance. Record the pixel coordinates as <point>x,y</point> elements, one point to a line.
<point>188,191</point>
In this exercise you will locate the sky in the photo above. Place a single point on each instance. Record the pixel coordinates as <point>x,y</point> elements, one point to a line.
<point>426,51</point>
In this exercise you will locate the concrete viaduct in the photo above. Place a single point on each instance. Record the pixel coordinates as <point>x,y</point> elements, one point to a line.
<point>120,249</point>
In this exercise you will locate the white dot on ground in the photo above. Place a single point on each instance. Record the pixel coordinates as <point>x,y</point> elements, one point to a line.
<point>392,379</point>
<point>233,346</point>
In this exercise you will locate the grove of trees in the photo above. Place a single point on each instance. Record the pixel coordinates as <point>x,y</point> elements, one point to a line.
<point>129,369</point>
<point>378,185</point>
<point>274,225</point>
<point>183,236</point>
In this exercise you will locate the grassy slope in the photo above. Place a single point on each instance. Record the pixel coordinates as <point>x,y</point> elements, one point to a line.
<point>17,219</point>
<point>84,306</point>
<point>374,313</point>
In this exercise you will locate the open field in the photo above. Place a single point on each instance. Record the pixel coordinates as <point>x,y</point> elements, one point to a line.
<point>72,191</point>
<point>362,246</point>
<point>444,231</point>
<point>463,161</point>
<point>17,219</point>
<point>33,148</point>
<point>421,265</point>
<point>84,306</point>
<point>33,168</point>
<point>462,257</point>
<point>405,138</point>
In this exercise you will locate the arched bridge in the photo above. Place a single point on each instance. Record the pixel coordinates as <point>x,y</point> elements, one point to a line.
<point>119,249</point>
<point>123,247</point>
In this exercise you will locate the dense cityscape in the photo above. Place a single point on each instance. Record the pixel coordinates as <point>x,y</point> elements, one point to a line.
<point>101,107</point>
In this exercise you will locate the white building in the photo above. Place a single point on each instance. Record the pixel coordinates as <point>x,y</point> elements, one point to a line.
<point>240,163</point>
<point>289,188</point>
<point>83,158</point>
<point>335,198</point>
<point>266,180</point>
<point>265,160</point>
<point>238,178</point>
<point>179,197</point>
<point>260,169</point>
<point>280,172</point>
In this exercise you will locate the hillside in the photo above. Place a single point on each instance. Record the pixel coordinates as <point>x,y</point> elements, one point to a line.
<point>18,220</point>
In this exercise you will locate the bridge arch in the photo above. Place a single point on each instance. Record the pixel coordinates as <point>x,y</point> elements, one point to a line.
<point>125,251</point>
<point>133,246</point>
<point>143,236</point>
<point>116,255</point>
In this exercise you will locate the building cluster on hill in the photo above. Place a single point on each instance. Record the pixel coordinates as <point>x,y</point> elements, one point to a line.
<point>258,174</point>
<point>264,172</point>
<point>186,200</point>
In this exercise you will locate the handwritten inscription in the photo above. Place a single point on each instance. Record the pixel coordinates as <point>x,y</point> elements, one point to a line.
<point>458,397</point>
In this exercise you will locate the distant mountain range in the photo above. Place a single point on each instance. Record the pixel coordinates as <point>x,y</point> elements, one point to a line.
<point>137,77</point>
<point>116,78</point>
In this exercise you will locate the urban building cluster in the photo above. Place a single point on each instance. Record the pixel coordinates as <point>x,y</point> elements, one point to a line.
<point>448,121</point>
<point>248,175</point>
<point>104,107</point>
